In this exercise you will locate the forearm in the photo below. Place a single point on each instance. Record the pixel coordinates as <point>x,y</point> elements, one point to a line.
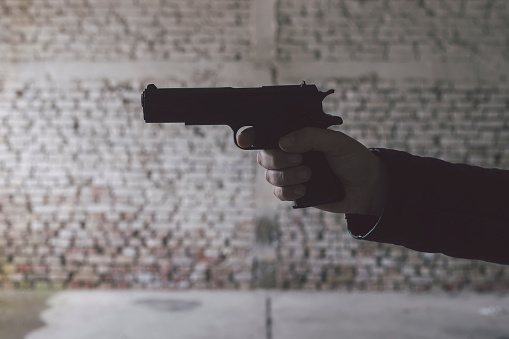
<point>435,206</point>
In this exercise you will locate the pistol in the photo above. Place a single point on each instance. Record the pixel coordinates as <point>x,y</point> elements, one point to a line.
<point>273,111</point>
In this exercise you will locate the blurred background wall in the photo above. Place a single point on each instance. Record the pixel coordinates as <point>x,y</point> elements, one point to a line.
<point>92,197</point>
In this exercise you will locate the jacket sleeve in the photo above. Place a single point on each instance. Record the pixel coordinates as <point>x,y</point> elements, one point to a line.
<point>435,206</point>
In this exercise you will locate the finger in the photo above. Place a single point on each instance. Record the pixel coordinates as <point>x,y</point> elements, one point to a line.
<point>289,193</point>
<point>246,137</point>
<point>316,139</point>
<point>289,176</point>
<point>275,159</point>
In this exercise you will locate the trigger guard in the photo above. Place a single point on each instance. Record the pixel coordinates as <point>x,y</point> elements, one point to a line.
<point>236,130</point>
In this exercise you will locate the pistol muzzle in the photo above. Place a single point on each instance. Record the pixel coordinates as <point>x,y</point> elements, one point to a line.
<point>149,88</point>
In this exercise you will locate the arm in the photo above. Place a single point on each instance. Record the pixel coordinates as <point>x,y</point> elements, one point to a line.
<point>436,206</point>
<point>424,204</point>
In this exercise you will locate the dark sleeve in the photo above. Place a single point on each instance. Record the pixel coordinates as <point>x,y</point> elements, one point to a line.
<point>435,206</point>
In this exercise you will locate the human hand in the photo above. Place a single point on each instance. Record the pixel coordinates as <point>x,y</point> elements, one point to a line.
<point>362,173</point>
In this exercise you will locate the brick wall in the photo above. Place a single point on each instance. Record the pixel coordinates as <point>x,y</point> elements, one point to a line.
<point>91,196</point>
<point>61,30</point>
<point>395,31</point>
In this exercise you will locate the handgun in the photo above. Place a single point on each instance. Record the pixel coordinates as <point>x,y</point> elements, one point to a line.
<point>273,111</point>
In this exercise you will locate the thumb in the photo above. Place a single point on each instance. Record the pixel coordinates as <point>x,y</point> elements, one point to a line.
<point>317,139</point>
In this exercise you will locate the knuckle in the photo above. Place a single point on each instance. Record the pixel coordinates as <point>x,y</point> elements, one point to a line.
<point>264,159</point>
<point>280,193</point>
<point>272,160</point>
<point>287,193</point>
<point>302,173</point>
<point>278,162</point>
<point>268,177</point>
<point>275,177</point>
<point>287,177</point>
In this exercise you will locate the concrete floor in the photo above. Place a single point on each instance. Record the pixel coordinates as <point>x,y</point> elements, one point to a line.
<point>20,312</point>
<point>294,315</point>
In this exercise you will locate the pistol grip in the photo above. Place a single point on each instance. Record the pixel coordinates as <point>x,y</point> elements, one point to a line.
<point>324,186</point>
